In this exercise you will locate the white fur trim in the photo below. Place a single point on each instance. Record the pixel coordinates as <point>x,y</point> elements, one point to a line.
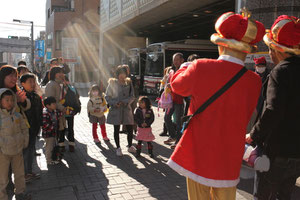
<point>231,59</point>
<point>202,180</point>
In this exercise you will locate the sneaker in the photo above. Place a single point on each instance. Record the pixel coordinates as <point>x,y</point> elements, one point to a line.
<point>53,162</point>
<point>71,148</point>
<point>105,139</point>
<point>23,196</point>
<point>173,146</point>
<point>132,149</point>
<point>28,178</point>
<point>35,175</point>
<point>97,141</point>
<point>163,134</point>
<point>169,141</point>
<point>119,152</point>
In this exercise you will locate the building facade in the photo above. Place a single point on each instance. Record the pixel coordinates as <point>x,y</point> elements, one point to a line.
<point>72,32</point>
<point>126,24</point>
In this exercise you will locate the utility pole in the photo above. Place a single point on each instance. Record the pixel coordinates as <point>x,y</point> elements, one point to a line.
<point>32,47</point>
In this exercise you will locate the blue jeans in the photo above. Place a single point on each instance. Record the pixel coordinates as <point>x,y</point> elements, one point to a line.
<point>279,181</point>
<point>28,155</point>
<point>178,110</point>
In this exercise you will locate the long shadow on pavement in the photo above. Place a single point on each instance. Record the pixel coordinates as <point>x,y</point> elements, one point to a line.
<point>152,174</point>
<point>79,176</point>
<point>246,185</point>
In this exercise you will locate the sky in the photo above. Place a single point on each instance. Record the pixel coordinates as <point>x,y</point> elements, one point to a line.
<point>29,10</point>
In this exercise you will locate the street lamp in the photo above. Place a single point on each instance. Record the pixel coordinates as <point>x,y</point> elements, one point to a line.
<point>32,43</point>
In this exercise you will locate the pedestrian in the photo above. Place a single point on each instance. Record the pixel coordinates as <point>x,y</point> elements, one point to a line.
<point>55,62</point>
<point>22,69</point>
<point>73,106</point>
<point>51,117</point>
<point>261,69</point>
<point>22,62</point>
<point>136,95</point>
<point>8,79</point>
<point>120,95</point>
<point>34,116</point>
<point>210,151</point>
<point>96,107</point>
<point>278,128</point>
<point>187,100</point>
<point>144,117</point>
<point>177,108</point>
<point>163,84</point>
<point>54,89</point>
<point>13,139</point>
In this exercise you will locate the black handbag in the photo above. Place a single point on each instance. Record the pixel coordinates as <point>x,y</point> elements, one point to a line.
<point>185,120</point>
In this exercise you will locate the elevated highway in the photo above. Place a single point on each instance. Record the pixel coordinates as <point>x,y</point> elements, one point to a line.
<point>15,45</point>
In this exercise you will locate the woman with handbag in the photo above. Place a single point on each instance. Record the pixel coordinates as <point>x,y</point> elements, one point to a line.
<point>120,95</point>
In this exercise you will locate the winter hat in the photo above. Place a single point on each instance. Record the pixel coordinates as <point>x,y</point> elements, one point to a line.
<point>260,61</point>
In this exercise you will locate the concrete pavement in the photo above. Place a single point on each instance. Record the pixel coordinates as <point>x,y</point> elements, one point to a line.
<point>94,172</point>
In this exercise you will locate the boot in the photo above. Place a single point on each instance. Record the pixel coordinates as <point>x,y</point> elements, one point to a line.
<point>138,150</point>
<point>150,150</point>
<point>23,196</point>
<point>71,148</point>
<point>165,131</point>
<point>62,149</point>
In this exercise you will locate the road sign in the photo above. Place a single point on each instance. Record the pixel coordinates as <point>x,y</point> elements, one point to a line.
<point>70,49</point>
<point>40,48</point>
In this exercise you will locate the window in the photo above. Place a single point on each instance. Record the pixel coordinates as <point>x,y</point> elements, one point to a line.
<point>49,40</point>
<point>58,36</point>
<point>49,13</point>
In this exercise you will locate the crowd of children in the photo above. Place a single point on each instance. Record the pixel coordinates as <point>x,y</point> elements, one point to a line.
<point>26,110</point>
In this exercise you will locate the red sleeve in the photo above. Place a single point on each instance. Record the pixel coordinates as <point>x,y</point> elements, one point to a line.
<point>183,80</point>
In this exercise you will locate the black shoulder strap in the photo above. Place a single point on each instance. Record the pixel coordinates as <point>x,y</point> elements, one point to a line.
<point>217,94</point>
<point>221,91</point>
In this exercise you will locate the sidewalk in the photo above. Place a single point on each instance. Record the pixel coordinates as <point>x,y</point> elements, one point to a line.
<point>95,172</point>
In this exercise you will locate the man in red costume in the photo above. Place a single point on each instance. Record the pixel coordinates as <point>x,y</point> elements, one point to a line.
<point>210,151</point>
<point>278,128</point>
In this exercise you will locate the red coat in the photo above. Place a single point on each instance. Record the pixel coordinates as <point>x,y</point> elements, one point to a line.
<point>211,148</point>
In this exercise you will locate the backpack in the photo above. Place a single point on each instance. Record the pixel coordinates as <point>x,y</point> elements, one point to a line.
<point>165,101</point>
<point>72,100</point>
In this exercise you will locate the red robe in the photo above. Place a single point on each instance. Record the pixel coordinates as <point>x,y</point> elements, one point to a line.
<point>211,149</point>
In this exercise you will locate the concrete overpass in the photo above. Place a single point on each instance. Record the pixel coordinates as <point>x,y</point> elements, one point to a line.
<point>15,45</point>
<point>129,24</point>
